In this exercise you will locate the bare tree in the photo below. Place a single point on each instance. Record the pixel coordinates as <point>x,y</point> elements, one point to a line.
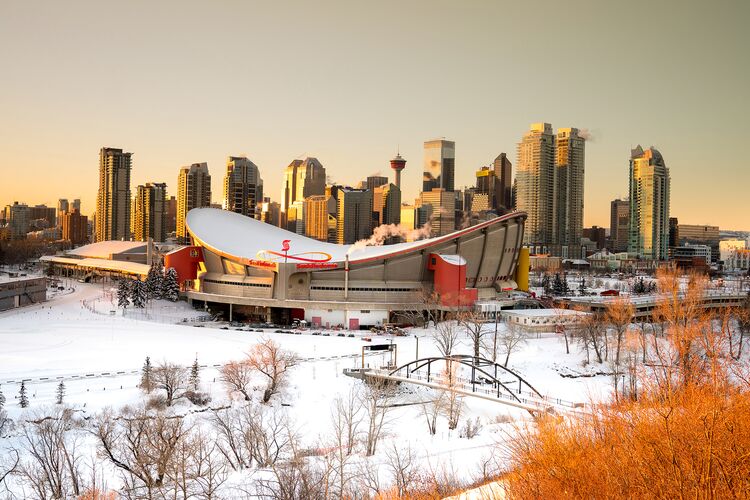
<point>432,409</point>
<point>273,362</point>
<point>294,479</point>
<point>237,376</point>
<point>141,446</point>
<point>590,332</point>
<point>227,425</point>
<point>403,465</point>
<point>198,469</point>
<point>474,323</point>
<point>511,337</point>
<point>253,433</point>
<point>346,417</point>
<point>53,468</point>
<point>375,398</point>
<point>452,401</point>
<point>269,435</point>
<point>9,462</point>
<point>446,335</point>
<point>619,314</point>
<point>172,379</point>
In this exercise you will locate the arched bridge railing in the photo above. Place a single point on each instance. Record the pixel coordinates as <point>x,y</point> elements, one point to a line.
<point>478,365</point>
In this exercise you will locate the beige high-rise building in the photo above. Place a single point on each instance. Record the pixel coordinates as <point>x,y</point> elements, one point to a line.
<point>316,217</point>
<point>570,150</point>
<point>150,209</point>
<point>62,208</point>
<point>386,204</point>
<point>649,204</point>
<point>535,175</point>
<point>243,186</point>
<point>74,227</point>
<point>270,212</point>
<point>302,178</point>
<point>438,208</point>
<point>408,218</point>
<point>17,216</point>
<point>353,215</point>
<point>193,191</point>
<point>549,188</point>
<point>113,200</point>
<point>439,165</point>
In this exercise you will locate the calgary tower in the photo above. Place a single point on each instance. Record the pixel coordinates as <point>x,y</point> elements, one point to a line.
<point>398,164</point>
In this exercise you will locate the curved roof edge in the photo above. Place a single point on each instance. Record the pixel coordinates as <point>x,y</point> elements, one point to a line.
<point>242,238</point>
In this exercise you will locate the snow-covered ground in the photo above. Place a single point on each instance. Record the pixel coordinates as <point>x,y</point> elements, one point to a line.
<point>74,337</point>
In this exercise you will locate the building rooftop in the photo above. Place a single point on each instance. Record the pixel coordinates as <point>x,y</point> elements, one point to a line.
<point>234,235</point>
<point>104,249</point>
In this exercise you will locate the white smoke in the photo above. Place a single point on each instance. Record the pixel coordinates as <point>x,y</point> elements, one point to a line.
<point>586,134</point>
<point>382,233</point>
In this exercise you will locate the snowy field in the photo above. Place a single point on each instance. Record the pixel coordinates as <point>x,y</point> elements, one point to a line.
<point>99,355</point>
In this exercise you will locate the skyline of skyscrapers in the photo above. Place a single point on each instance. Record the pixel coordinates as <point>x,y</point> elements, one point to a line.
<point>548,186</point>
<point>649,204</point>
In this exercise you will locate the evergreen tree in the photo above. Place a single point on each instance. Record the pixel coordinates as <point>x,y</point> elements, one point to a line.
<point>138,294</point>
<point>123,293</point>
<point>24,399</point>
<point>171,288</point>
<point>582,286</point>
<point>151,281</point>
<point>60,392</point>
<point>546,284</point>
<point>195,375</point>
<point>147,383</point>
<point>155,280</point>
<point>639,286</point>
<point>558,287</point>
<point>2,400</point>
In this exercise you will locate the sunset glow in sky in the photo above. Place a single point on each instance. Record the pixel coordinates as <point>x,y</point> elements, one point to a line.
<point>349,82</point>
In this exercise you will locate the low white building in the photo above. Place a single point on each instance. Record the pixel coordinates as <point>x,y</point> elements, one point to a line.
<point>543,320</point>
<point>737,260</point>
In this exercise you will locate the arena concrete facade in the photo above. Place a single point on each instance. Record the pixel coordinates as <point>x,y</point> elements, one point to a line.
<point>264,272</point>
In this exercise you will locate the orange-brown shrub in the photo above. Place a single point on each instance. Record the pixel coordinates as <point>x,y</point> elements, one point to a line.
<point>686,436</point>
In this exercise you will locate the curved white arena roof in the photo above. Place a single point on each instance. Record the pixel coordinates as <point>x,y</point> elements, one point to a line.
<point>236,235</point>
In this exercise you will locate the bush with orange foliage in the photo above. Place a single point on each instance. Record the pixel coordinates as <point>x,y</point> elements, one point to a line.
<point>97,494</point>
<point>687,434</point>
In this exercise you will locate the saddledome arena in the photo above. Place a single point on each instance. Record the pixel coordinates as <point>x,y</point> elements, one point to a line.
<point>253,270</point>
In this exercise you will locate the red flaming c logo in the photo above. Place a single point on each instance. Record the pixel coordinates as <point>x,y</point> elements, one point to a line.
<point>308,257</point>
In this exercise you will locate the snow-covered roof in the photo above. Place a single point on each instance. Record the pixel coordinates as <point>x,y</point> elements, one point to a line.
<point>543,313</point>
<point>456,260</point>
<point>104,249</point>
<point>101,264</point>
<point>242,237</point>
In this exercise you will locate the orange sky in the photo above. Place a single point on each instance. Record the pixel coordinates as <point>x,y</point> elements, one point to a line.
<point>349,82</point>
